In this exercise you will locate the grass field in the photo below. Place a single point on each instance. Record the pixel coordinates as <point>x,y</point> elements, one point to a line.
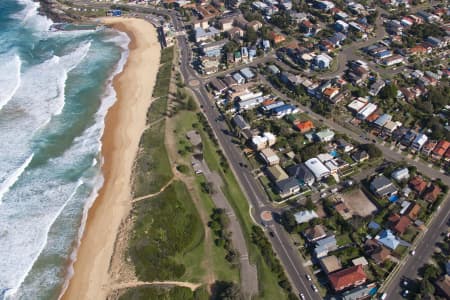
<point>152,170</point>
<point>221,268</point>
<point>162,241</point>
<point>268,281</point>
<point>157,293</point>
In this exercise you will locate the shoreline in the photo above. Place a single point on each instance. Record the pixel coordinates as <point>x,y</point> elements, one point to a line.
<point>124,124</point>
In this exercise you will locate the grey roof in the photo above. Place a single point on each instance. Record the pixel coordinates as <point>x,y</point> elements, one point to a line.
<point>247,73</point>
<point>357,293</point>
<point>287,184</point>
<point>301,172</point>
<point>240,122</point>
<point>383,186</point>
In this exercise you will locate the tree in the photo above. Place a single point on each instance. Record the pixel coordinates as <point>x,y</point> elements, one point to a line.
<point>389,91</point>
<point>288,221</point>
<point>250,36</point>
<point>226,290</point>
<point>191,104</point>
<point>372,150</point>
<point>310,204</point>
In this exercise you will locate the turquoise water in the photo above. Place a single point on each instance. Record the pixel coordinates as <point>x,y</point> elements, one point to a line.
<point>55,92</point>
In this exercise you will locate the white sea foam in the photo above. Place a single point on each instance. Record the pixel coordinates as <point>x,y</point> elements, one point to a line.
<point>108,100</point>
<point>9,77</point>
<point>12,178</point>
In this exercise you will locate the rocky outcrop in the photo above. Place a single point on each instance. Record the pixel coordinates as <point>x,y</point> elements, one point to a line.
<point>57,12</point>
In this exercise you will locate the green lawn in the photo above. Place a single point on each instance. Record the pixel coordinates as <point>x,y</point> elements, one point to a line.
<point>157,109</point>
<point>158,293</point>
<point>268,281</point>
<point>152,170</point>
<point>167,234</point>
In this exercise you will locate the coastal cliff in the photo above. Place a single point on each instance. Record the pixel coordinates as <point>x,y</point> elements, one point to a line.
<point>57,11</point>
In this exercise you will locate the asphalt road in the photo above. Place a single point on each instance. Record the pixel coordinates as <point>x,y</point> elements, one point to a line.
<point>423,251</point>
<point>287,253</point>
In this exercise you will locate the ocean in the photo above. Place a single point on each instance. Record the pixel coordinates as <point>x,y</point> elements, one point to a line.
<point>55,90</point>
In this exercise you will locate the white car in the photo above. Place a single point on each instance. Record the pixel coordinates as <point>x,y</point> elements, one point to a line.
<point>308,277</point>
<point>302,296</point>
<point>413,252</point>
<point>314,288</point>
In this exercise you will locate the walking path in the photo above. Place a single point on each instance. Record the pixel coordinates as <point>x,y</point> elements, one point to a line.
<point>154,194</point>
<point>132,284</point>
<point>249,274</point>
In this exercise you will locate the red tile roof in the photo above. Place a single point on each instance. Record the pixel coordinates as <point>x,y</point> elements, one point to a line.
<point>402,224</point>
<point>418,184</point>
<point>432,193</point>
<point>441,148</point>
<point>348,277</point>
<point>305,126</point>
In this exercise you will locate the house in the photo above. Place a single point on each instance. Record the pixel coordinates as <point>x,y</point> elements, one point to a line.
<point>305,216</point>
<point>325,245</point>
<point>247,73</point>
<point>283,110</point>
<point>218,86</point>
<point>360,156</point>
<point>202,34</point>
<point>319,170</point>
<point>440,149</point>
<point>413,211</point>
<point>360,261</point>
<point>418,184</point>
<point>304,126</point>
<point>443,286</point>
<point>322,61</point>
<point>392,60</point>
<point>382,186</point>
<point>315,233</point>
<point>344,145</point>
<point>255,25</point>
<point>359,293</point>
<point>388,239</point>
<point>347,278</point>
<point>277,38</point>
<point>269,157</point>
<point>273,69</point>
<point>287,187</point>
<point>276,173</point>
<point>408,138</point>
<point>302,173</point>
<point>400,174</point>
<point>428,148</point>
<point>240,122</point>
<point>389,127</point>
<point>382,120</point>
<point>236,33</point>
<point>376,87</point>
<point>369,109</point>
<point>399,224</point>
<point>381,255</point>
<point>418,142</point>
<point>226,23</point>
<point>330,264</point>
<point>324,136</point>
<point>432,193</point>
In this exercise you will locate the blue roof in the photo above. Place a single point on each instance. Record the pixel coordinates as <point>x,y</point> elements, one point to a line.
<point>283,108</point>
<point>387,238</point>
<point>374,225</point>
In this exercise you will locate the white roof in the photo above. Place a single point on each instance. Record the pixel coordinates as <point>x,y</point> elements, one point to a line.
<point>269,135</point>
<point>304,216</point>
<point>323,157</point>
<point>269,155</point>
<point>420,139</point>
<point>317,167</point>
<point>258,140</point>
<point>400,174</point>
<point>356,105</point>
<point>367,111</point>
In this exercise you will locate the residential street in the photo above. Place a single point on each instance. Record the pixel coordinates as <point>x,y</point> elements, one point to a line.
<point>258,199</point>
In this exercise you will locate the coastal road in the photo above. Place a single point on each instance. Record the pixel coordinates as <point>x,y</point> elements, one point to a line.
<point>287,253</point>
<point>423,251</point>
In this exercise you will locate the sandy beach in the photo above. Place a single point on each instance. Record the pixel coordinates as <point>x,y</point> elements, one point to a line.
<point>125,123</point>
